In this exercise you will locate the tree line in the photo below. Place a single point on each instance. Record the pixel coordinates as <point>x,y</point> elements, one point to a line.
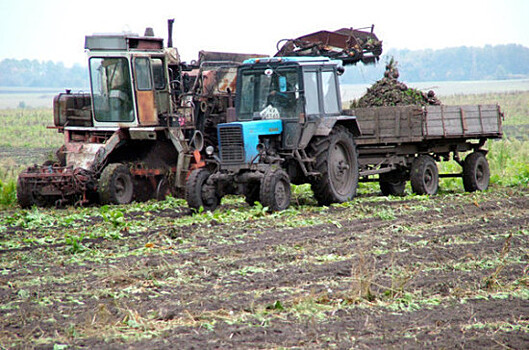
<point>34,73</point>
<point>451,64</point>
<point>459,63</point>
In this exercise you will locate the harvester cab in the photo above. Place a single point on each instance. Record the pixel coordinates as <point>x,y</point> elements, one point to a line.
<point>129,138</point>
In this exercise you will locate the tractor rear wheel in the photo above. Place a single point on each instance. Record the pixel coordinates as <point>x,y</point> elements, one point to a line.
<point>476,172</point>
<point>198,193</point>
<point>115,184</point>
<point>424,175</point>
<point>337,162</point>
<point>274,191</point>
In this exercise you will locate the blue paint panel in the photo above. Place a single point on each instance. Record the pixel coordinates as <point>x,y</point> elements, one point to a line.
<point>251,131</point>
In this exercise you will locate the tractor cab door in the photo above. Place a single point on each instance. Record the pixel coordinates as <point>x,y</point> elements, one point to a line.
<point>144,89</point>
<point>322,99</point>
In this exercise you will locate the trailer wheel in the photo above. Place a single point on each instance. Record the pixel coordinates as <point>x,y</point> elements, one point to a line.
<point>476,172</point>
<point>392,183</point>
<point>337,162</point>
<point>115,185</point>
<point>274,191</point>
<point>424,175</point>
<point>198,194</point>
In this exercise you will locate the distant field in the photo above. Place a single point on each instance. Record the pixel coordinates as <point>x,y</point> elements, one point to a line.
<point>13,97</point>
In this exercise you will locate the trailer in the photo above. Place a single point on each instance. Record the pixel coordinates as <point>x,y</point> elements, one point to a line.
<point>403,143</point>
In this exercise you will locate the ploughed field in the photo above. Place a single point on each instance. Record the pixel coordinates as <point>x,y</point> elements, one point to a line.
<point>449,271</point>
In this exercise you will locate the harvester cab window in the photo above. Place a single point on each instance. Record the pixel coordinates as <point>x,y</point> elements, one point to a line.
<point>158,73</point>
<point>142,68</point>
<point>111,89</point>
<point>269,93</point>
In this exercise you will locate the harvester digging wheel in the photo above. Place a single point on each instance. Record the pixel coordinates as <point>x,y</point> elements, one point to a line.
<point>424,175</point>
<point>198,193</point>
<point>274,191</point>
<point>115,185</point>
<point>476,172</point>
<point>336,161</point>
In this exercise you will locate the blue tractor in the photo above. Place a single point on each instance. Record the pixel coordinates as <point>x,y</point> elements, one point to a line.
<point>287,127</point>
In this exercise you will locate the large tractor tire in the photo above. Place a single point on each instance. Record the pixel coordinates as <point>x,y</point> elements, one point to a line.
<point>274,191</point>
<point>337,163</point>
<point>198,194</point>
<point>424,175</point>
<point>115,184</point>
<point>392,183</point>
<point>476,172</point>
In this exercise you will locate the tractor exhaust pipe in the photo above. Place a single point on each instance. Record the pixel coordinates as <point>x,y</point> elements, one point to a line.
<point>170,32</point>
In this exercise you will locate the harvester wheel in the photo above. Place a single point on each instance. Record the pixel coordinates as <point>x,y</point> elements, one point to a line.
<point>424,175</point>
<point>476,172</point>
<point>392,183</point>
<point>274,191</point>
<point>115,185</point>
<point>337,162</point>
<point>199,193</point>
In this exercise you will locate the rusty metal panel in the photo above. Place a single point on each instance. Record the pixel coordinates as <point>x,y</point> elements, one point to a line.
<point>146,110</point>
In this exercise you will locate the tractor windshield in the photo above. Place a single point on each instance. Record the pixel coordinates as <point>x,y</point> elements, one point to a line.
<point>111,89</point>
<point>269,94</point>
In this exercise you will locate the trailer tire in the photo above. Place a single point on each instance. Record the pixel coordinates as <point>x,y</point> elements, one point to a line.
<point>197,194</point>
<point>392,183</point>
<point>115,184</point>
<point>337,162</point>
<point>424,175</point>
<point>274,191</point>
<point>476,172</point>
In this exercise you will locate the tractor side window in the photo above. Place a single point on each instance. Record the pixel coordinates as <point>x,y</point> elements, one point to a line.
<point>330,97</point>
<point>142,67</point>
<point>310,80</point>
<point>158,73</point>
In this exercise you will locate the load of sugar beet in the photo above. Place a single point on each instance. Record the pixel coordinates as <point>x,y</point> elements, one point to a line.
<point>388,91</point>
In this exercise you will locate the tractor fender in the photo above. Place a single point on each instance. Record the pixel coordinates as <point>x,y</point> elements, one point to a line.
<point>327,124</point>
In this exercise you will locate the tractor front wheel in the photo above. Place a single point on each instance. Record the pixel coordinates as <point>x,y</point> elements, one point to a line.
<point>274,191</point>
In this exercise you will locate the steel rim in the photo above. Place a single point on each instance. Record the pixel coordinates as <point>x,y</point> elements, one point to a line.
<point>340,169</point>
<point>281,193</point>
<point>122,187</point>
<point>429,179</point>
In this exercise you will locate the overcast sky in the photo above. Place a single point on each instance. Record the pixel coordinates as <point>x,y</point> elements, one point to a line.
<point>54,29</point>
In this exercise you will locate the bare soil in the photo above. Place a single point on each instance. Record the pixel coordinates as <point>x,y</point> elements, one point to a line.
<point>443,272</point>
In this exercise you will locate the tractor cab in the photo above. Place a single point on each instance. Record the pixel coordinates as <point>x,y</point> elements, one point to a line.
<point>278,99</point>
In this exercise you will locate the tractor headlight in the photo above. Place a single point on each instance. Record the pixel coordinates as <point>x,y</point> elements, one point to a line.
<point>210,150</point>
